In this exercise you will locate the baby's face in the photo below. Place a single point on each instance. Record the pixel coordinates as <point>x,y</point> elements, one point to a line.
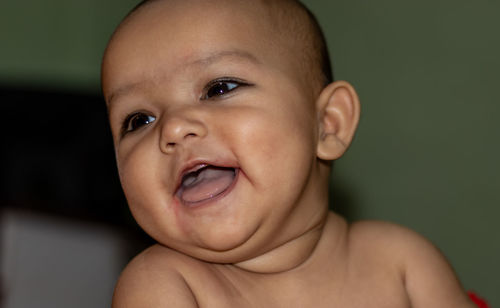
<point>215,131</point>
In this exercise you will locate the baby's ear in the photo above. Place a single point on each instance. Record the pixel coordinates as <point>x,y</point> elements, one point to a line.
<point>338,111</point>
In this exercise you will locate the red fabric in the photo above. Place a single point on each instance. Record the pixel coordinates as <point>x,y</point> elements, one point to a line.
<point>481,303</point>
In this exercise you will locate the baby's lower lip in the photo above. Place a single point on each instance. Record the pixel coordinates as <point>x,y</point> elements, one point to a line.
<point>196,197</point>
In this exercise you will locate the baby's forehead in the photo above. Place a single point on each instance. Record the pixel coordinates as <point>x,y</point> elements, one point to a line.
<point>281,26</point>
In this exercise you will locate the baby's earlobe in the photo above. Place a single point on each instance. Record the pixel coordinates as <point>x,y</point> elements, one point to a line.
<point>330,148</point>
<point>338,110</point>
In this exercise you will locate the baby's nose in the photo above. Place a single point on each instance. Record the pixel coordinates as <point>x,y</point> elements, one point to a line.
<point>177,129</point>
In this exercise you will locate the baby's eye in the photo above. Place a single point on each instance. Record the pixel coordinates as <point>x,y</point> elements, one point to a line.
<point>221,87</point>
<point>135,121</point>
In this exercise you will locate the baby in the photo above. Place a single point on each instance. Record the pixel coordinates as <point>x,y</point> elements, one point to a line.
<point>225,121</point>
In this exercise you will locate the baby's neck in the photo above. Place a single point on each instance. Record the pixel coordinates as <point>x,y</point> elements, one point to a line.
<point>296,252</point>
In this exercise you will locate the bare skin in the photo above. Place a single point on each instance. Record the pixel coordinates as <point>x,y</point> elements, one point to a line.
<point>367,264</point>
<point>202,84</point>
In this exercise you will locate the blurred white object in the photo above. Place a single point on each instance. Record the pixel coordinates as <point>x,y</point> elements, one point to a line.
<point>55,262</point>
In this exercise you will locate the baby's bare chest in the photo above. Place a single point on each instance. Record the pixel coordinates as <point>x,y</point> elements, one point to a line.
<point>220,288</point>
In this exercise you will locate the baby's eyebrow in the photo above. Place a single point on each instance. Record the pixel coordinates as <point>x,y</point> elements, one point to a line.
<point>204,61</point>
<point>219,55</point>
<point>121,91</point>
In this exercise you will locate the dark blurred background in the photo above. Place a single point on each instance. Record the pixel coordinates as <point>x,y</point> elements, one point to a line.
<point>425,156</point>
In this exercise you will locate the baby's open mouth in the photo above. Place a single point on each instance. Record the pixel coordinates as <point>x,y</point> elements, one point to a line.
<point>205,183</point>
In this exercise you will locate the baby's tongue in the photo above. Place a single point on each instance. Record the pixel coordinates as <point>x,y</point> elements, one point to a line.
<point>206,183</point>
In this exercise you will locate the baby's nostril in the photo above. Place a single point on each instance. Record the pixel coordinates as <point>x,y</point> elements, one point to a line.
<point>191,135</point>
<point>169,148</point>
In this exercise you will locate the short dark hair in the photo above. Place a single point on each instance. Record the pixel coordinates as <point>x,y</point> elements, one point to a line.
<point>326,64</point>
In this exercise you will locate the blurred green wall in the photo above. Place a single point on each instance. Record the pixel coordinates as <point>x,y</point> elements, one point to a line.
<point>427,149</point>
<point>56,43</point>
<point>428,146</point>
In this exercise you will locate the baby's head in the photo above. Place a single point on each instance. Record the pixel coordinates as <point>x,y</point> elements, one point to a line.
<point>224,122</point>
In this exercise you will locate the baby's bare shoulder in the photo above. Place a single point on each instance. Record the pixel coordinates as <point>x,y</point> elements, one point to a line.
<point>153,279</point>
<point>427,276</point>
<point>386,239</point>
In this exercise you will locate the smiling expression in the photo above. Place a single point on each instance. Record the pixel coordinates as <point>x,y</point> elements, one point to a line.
<point>215,130</point>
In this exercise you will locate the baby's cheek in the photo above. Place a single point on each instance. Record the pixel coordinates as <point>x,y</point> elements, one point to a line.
<point>128,171</point>
<point>260,136</point>
<point>137,174</point>
<point>145,197</point>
